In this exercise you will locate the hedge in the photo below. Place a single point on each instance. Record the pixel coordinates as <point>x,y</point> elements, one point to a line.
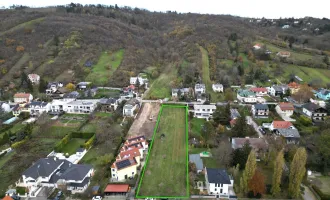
<point>59,146</point>
<point>320,193</point>
<point>89,142</point>
<point>83,135</point>
<point>18,144</point>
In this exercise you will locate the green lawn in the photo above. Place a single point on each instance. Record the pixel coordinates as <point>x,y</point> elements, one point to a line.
<point>72,146</point>
<point>166,171</point>
<point>58,131</point>
<point>161,87</point>
<point>106,93</point>
<point>196,125</point>
<point>5,158</point>
<point>306,73</point>
<point>325,184</point>
<point>90,157</point>
<point>89,128</point>
<point>103,114</point>
<point>107,64</point>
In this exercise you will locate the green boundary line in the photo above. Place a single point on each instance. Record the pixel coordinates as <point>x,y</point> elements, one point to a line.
<point>152,141</point>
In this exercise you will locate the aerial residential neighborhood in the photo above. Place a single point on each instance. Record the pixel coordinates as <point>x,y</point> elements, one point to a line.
<point>115,102</point>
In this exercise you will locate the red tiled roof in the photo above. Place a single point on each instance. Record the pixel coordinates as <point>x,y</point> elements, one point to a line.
<point>293,85</point>
<point>258,45</point>
<point>258,89</point>
<point>286,106</point>
<point>232,122</point>
<point>33,76</point>
<point>281,124</point>
<point>117,188</point>
<point>130,153</point>
<point>7,198</point>
<point>22,95</point>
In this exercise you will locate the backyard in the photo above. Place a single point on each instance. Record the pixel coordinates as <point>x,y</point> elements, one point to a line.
<point>107,93</point>
<point>72,146</point>
<point>168,151</point>
<point>196,125</point>
<point>107,64</point>
<point>323,183</point>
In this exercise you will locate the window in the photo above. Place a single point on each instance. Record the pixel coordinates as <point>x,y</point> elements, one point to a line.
<point>208,109</point>
<point>203,109</point>
<point>215,189</point>
<point>132,172</point>
<point>221,185</point>
<point>221,190</point>
<point>113,175</point>
<point>113,170</point>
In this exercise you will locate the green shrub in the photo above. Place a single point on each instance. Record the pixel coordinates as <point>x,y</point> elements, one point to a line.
<point>59,146</point>
<point>21,190</point>
<point>305,120</point>
<point>18,144</point>
<point>90,142</point>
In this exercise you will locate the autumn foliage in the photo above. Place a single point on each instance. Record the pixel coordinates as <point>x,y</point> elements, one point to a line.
<point>10,42</point>
<point>257,183</point>
<point>2,61</point>
<point>19,48</point>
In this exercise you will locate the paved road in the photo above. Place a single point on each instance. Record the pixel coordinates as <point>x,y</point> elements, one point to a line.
<point>109,88</point>
<point>254,125</point>
<point>308,194</point>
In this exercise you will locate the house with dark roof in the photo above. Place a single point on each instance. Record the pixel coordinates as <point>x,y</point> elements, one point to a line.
<point>108,104</point>
<point>54,172</point>
<point>260,110</point>
<point>200,88</point>
<point>278,90</point>
<point>291,135</point>
<point>314,111</point>
<point>130,107</point>
<point>218,182</point>
<point>84,85</point>
<point>183,91</point>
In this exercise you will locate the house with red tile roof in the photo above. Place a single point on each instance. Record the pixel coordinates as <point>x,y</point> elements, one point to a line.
<point>129,158</point>
<point>285,109</point>
<point>294,87</point>
<point>23,97</point>
<point>281,125</point>
<point>259,91</point>
<point>257,46</point>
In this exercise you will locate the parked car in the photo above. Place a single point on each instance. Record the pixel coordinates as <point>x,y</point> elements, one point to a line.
<point>97,198</point>
<point>59,194</point>
<point>262,130</point>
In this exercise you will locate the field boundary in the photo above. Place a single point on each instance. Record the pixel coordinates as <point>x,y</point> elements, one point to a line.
<point>149,151</point>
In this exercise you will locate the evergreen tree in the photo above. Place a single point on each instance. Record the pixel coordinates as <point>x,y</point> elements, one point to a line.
<point>240,70</point>
<point>250,168</point>
<point>277,175</point>
<point>5,138</point>
<point>297,172</point>
<point>240,156</point>
<point>137,83</point>
<point>327,106</point>
<point>222,115</point>
<point>42,85</point>
<point>207,131</point>
<point>241,128</point>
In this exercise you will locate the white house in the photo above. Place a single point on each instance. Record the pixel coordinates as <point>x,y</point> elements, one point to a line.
<point>217,87</point>
<point>285,109</point>
<point>204,111</point>
<point>200,89</point>
<point>80,106</point>
<point>278,90</point>
<point>130,107</point>
<point>184,91</point>
<point>83,85</point>
<point>285,26</point>
<point>142,81</point>
<point>54,172</point>
<point>259,91</point>
<point>218,182</point>
<point>246,96</point>
<point>260,110</point>
<point>314,111</point>
<point>34,78</point>
<point>39,107</point>
<point>257,47</point>
<point>53,87</point>
<point>23,97</point>
<point>129,158</point>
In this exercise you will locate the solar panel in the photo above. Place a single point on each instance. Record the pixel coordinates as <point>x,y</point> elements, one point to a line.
<point>123,164</point>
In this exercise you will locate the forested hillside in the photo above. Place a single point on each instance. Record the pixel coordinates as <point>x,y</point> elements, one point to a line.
<point>77,43</point>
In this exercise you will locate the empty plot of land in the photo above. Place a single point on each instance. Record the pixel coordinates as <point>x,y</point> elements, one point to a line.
<point>165,174</point>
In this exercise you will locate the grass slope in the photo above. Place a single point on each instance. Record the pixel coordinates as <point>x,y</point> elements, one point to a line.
<point>215,97</point>
<point>161,87</point>
<point>22,25</point>
<point>165,173</point>
<point>107,64</point>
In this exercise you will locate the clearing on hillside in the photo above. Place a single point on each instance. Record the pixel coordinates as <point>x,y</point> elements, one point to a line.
<point>107,64</point>
<point>165,173</point>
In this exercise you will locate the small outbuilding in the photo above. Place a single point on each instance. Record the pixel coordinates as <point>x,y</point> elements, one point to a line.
<point>116,189</point>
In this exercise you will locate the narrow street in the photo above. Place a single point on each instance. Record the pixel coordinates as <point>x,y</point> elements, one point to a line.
<point>250,121</point>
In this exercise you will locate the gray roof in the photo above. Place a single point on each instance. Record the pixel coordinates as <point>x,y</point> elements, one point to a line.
<point>195,158</point>
<point>261,106</point>
<point>108,100</point>
<point>183,90</point>
<point>311,106</point>
<point>82,184</point>
<point>76,172</point>
<point>38,103</point>
<point>289,132</point>
<point>217,176</point>
<point>131,102</point>
<point>200,86</point>
<point>234,113</point>
<point>43,167</point>
<point>73,94</point>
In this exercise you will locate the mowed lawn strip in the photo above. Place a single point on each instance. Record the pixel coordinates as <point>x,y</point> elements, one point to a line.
<point>166,172</point>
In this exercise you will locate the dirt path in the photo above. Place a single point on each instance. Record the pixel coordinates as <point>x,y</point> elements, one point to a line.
<point>142,125</point>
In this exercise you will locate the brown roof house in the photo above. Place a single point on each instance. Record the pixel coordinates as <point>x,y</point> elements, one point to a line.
<point>259,145</point>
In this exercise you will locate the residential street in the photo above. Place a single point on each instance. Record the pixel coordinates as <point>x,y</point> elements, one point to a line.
<point>254,125</point>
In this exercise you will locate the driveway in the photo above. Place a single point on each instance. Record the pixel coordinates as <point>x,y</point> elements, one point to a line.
<point>308,194</point>
<point>286,118</point>
<point>250,121</point>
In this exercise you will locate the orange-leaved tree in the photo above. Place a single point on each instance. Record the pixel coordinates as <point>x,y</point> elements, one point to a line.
<point>257,183</point>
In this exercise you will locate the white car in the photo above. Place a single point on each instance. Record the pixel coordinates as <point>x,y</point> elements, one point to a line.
<point>97,198</point>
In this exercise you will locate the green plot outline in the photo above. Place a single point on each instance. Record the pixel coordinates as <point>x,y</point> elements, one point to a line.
<point>152,141</point>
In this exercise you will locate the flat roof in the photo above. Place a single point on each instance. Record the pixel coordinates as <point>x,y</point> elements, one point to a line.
<point>117,188</point>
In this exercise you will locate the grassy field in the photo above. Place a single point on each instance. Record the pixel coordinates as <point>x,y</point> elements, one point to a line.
<point>166,171</point>
<point>107,64</point>
<point>323,183</point>
<point>215,97</point>
<point>88,128</point>
<point>306,73</point>
<point>107,93</point>
<point>5,158</point>
<point>196,125</point>
<point>22,25</point>
<point>58,131</point>
<point>72,146</point>
<point>161,87</point>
